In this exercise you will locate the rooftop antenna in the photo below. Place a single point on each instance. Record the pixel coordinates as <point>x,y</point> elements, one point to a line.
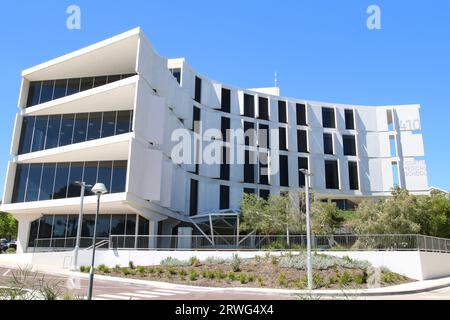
<point>275,79</point>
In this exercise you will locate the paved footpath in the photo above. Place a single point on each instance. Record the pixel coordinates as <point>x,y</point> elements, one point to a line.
<point>111,288</point>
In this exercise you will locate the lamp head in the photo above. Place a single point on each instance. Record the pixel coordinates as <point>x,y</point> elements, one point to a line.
<point>99,188</point>
<point>304,171</point>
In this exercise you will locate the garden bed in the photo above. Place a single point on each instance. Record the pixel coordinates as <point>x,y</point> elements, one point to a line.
<point>284,272</point>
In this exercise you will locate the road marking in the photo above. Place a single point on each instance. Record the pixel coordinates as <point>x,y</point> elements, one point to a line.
<point>6,272</point>
<point>139,295</point>
<point>158,293</point>
<point>113,297</point>
<point>172,291</point>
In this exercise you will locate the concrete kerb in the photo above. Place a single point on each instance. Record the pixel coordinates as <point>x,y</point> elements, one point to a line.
<point>402,289</point>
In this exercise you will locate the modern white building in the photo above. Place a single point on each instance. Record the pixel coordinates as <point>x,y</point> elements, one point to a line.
<point>115,112</point>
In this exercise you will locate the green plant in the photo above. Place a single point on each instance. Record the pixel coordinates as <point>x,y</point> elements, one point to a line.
<point>282,279</point>
<point>182,273</point>
<point>131,264</point>
<point>159,271</point>
<point>103,268</point>
<point>232,276</point>
<point>257,259</point>
<point>141,270</point>
<point>261,281</point>
<point>301,283</point>
<point>82,269</point>
<point>389,277</point>
<point>10,250</point>
<point>317,280</point>
<point>360,278</point>
<point>169,261</point>
<point>243,278</point>
<point>251,277</point>
<point>171,270</point>
<point>220,274</point>
<point>194,261</point>
<point>204,274</point>
<point>345,278</point>
<point>214,260</point>
<point>117,268</point>
<point>151,270</point>
<point>193,275</point>
<point>236,263</point>
<point>126,271</point>
<point>210,275</point>
<point>274,260</point>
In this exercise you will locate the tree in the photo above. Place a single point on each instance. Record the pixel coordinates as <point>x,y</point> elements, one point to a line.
<point>8,226</point>
<point>324,219</point>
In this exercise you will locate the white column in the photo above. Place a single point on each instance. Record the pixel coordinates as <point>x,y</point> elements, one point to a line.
<point>24,231</point>
<point>153,232</point>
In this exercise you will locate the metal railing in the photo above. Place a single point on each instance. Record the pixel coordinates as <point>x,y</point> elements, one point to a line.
<point>66,244</point>
<point>380,242</point>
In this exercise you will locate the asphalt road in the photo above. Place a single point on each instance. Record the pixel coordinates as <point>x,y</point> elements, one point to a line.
<point>114,290</point>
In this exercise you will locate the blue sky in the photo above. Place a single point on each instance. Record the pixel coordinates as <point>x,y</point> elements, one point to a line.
<point>322,50</point>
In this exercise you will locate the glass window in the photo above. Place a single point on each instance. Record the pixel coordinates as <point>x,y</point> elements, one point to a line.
<point>103,225</point>
<point>263,166</point>
<point>249,167</point>
<point>349,120</point>
<point>45,230</point>
<point>94,125</point>
<point>123,122</point>
<point>302,141</point>
<point>90,175</point>
<point>65,135</point>
<point>328,120</point>
<point>62,174</point>
<point>349,145</point>
<point>177,74</point>
<point>249,105</point>
<point>80,131</point>
<point>131,224</point>
<point>26,136</point>
<point>59,226</point>
<point>328,143</point>
<point>395,175</point>
<point>48,178</point>
<point>76,174</point>
<point>72,226</point>
<point>20,183</point>
<point>282,112</point>
<point>33,93</point>
<point>302,164</point>
<point>331,174</point>
<point>390,120</point>
<point>100,81</point>
<point>392,146</point>
<point>73,86</point>
<point>353,175</point>
<point>225,127</point>
<point>113,78</point>
<point>86,83</point>
<point>34,181</point>
<point>301,114</point>
<point>108,124</point>
<point>144,226</point>
<point>119,176</point>
<point>118,224</point>
<point>249,191</point>
<point>47,91</point>
<point>224,197</point>
<point>40,128</point>
<point>226,100</point>
<point>263,108</point>
<point>34,227</point>
<point>87,229</point>
<point>193,197</point>
<point>264,193</point>
<point>249,133</point>
<point>284,171</point>
<point>60,89</point>
<point>198,90</point>
<point>282,138</point>
<point>52,136</point>
<point>225,165</point>
<point>104,174</point>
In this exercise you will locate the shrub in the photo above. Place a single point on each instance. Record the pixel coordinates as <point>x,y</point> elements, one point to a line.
<point>236,263</point>
<point>242,278</point>
<point>193,275</point>
<point>131,264</point>
<point>151,270</point>
<point>251,277</point>
<point>389,277</point>
<point>169,261</point>
<point>345,278</point>
<point>126,271</point>
<point>141,270</point>
<point>159,271</point>
<point>220,274</point>
<point>258,259</point>
<point>82,269</point>
<point>11,250</point>
<point>274,260</point>
<point>261,281</point>
<point>117,268</point>
<point>182,273</point>
<point>171,271</point>
<point>232,276</point>
<point>204,274</point>
<point>301,283</point>
<point>317,280</point>
<point>322,262</point>
<point>360,278</point>
<point>282,280</point>
<point>210,275</point>
<point>103,268</point>
<point>194,261</point>
<point>214,260</point>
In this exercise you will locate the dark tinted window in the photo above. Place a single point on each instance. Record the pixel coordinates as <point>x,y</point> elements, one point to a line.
<point>177,74</point>
<point>284,171</point>
<point>249,105</point>
<point>45,227</point>
<point>302,141</point>
<point>59,226</point>
<point>76,174</point>
<point>224,197</point>
<point>249,167</point>
<point>118,224</point>
<point>80,131</point>
<point>328,143</point>
<point>33,93</point>
<point>301,114</point>
<point>249,191</point>
<point>349,145</point>
<point>353,175</point>
<point>104,174</point>
<point>249,132</point>
<point>119,176</point>
<point>54,124</point>
<point>331,174</point>
<point>123,122</point>
<point>72,226</point>
<point>113,78</point>
<point>108,124</point>
<point>40,128</point>
<point>226,100</point>
<point>349,120</point>
<point>65,135</point>
<point>99,81</point>
<point>87,228</point>
<point>328,119</point>
<point>34,181</point>
<point>90,175</point>
<point>263,136</point>
<point>263,108</point>
<point>87,83</point>
<point>103,225</point>
<point>302,164</point>
<point>265,194</point>
<point>20,183</point>
<point>282,112</point>
<point>48,178</point>
<point>144,226</point>
<point>73,86</point>
<point>60,89</point>
<point>263,168</point>
<point>62,175</point>
<point>198,90</point>
<point>94,125</point>
<point>46,91</point>
<point>26,136</point>
<point>193,197</point>
<point>282,138</point>
<point>225,126</point>
<point>34,226</point>
<point>225,166</point>
<point>195,119</point>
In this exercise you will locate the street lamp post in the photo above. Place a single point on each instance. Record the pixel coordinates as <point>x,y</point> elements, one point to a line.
<point>98,189</point>
<point>308,230</point>
<point>83,186</point>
